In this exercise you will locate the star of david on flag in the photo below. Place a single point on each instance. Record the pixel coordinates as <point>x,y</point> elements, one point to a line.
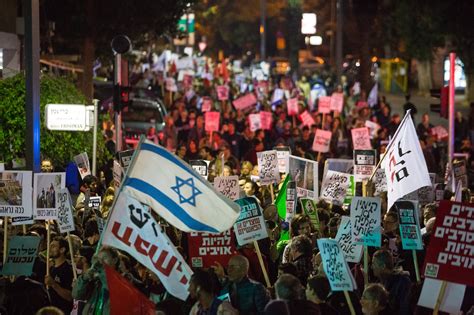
<point>176,192</point>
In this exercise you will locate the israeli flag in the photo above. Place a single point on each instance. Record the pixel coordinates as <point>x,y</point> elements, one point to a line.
<point>177,193</point>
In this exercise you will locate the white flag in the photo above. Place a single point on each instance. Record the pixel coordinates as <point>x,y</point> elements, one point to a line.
<point>131,228</point>
<point>404,164</point>
<point>178,193</point>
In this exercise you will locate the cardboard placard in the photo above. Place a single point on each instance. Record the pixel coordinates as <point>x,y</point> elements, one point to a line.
<point>321,141</point>
<point>82,163</point>
<point>206,104</point>
<point>307,119</point>
<point>94,202</point>
<point>212,121</point>
<point>44,196</point>
<point>366,221</point>
<point>125,158</point>
<point>452,300</point>
<point>268,167</point>
<point>409,224</point>
<point>373,128</point>
<point>15,194</point>
<point>266,120</point>
<point>324,105</point>
<point>334,187</point>
<point>255,122</point>
<point>352,251</point>
<point>244,102</point>
<point>200,166</point>
<point>305,174</point>
<point>310,209</point>
<point>204,249</point>
<point>65,217</point>
<point>250,226</point>
<point>292,106</point>
<point>283,155</point>
<point>22,251</point>
<point>228,186</point>
<point>222,92</point>
<point>364,164</point>
<point>361,139</point>
<point>337,102</point>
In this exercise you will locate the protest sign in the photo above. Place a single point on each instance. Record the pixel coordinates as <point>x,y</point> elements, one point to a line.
<point>292,106</point>
<point>125,158</point>
<point>268,167</point>
<point>206,104</point>
<point>460,172</point>
<point>305,174</point>
<point>245,101</point>
<point>82,163</point>
<point>452,299</point>
<point>450,254</point>
<point>44,196</point>
<point>250,226</point>
<point>310,209</point>
<point>335,266</point>
<point>380,182</point>
<point>352,251</point>
<point>307,119</point>
<point>222,92</point>
<point>22,251</point>
<point>339,165</point>
<point>283,155</point>
<point>23,220</point>
<point>170,85</point>
<point>266,120</point>
<point>65,217</point>
<point>278,95</point>
<point>334,187</point>
<point>373,128</point>
<point>364,164</point>
<point>200,166</point>
<point>133,229</point>
<point>324,105</point>
<point>228,186</point>
<point>337,102</point>
<point>409,223</point>
<point>321,141</point>
<point>204,249</point>
<point>361,139</point>
<point>212,120</point>
<point>291,197</point>
<point>365,221</point>
<point>15,194</point>
<point>94,202</point>
<point>255,122</point>
<point>439,132</point>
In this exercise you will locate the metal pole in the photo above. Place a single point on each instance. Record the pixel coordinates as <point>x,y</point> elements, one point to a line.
<point>263,28</point>
<point>94,140</point>
<point>118,114</point>
<point>339,13</point>
<point>32,71</point>
<point>452,61</point>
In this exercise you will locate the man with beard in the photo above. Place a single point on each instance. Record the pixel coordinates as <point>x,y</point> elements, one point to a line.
<point>59,280</point>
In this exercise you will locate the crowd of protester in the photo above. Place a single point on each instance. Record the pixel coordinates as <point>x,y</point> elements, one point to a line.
<point>298,281</point>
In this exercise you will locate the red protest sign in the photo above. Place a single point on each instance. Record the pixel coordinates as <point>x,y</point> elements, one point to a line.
<point>292,106</point>
<point>211,120</point>
<point>205,249</point>
<point>324,105</point>
<point>361,138</point>
<point>245,101</point>
<point>322,138</point>
<point>222,92</point>
<point>337,102</point>
<point>266,120</point>
<point>450,255</point>
<point>307,119</point>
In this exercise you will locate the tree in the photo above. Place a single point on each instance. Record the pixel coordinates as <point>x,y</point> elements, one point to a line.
<point>89,26</point>
<point>59,146</point>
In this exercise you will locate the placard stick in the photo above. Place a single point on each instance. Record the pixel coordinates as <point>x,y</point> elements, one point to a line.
<point>415,262</point>
<point>262,265</point>
<point>5,239</point>
<point>48,242</point>
<point>71,252</point>
<point>24,228</point>
<point>444,284</point>
<point>366,250</point>
<point>349,302</point>
<point>272,193</point>
<point>294,121</point>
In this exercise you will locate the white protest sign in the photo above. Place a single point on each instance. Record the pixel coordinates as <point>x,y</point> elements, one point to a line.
<point>255,122</point>
<point>452,299</point>
<point>335,266</point>
<point>15,194</point>
<point>268,167</point>
<point>364,164</point>
<point>283,155</point>
<point>334,187</point>
<point>94,202</point>
<point>373,128</point>
<point>65,217</point>
<point>321,141</point>
<point>291,197</point>
<point>44,196</point>
<point>228,186</point>
<point>361,138</point>
<point>380,182</point>
<point>82,163</point>
<point>305,174</point>
<point>200,166</point>
<point>366,221</point>
<point>170,85</point>
<point>310,209</point>
<point>352,251</point>
<point>250,226</point>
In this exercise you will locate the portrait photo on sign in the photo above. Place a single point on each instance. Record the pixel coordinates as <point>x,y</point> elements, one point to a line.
<point>15,193</point>
<point>305,173</point>
<point>45,188</point>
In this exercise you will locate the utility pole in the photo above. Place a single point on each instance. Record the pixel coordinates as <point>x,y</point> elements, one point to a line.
<point>32,70</point>
<point>263,29</point>
<point>339,27</point>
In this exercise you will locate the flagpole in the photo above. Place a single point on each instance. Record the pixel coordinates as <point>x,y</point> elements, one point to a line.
<point>389,145</point>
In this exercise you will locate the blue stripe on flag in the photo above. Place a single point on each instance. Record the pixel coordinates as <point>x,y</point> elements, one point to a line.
<point>169,204</point>
<point>172,158</point>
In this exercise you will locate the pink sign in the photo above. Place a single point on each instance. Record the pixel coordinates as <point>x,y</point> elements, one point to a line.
<point>337,102</point>
<point>255,122</point>
<point>324,105</point>
<point>307,119</point>
<point>266,120</point>
<point>245,101</point>
<point>439,132</point>
<point>361,138</point>
<point>361,104</point>
<point>322,140</point>
<point>292,105</point>
<point>211,120</point>
<point>222,92</point>
<point>206,104</point>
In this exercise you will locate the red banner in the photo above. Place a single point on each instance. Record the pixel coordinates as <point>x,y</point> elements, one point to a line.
<point>205,249</point>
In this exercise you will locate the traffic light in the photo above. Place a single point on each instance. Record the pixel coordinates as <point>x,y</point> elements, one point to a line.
<point>443,107</point>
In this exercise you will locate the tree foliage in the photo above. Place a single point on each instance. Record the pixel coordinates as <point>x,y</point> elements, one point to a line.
<point>59,146</point>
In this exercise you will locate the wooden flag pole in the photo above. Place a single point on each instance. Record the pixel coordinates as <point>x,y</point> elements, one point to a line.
<point>262,265</point>
<point>5,239</point>
<point>349,302</point>
<point>71,252</point>
<point>417,269</point>
<point>442,290</point>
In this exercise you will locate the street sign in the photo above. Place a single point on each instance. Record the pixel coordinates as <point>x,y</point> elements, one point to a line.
<point>69,117</point>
